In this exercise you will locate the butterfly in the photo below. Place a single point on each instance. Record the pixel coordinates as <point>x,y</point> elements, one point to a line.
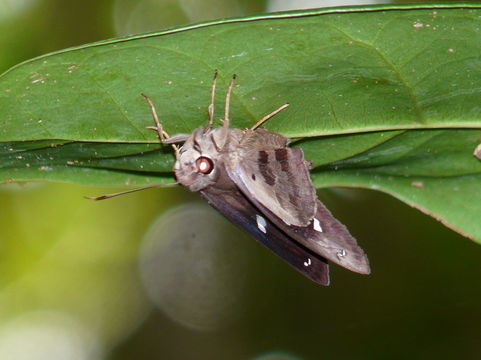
<point>253,178</point>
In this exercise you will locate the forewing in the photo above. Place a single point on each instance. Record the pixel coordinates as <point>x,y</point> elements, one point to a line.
<point>277,180</point>
<point>327,237</point>
<point>238,209</point>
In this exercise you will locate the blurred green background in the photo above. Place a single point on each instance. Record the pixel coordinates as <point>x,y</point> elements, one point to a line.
<point>157,275</point>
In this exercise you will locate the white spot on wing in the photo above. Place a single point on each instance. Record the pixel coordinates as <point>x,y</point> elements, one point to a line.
<point>308,262</point>
<point>261,223</point>
<point>341,253</point>
<point>317,225</point>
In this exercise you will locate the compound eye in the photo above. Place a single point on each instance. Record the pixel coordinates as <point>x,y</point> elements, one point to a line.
<point>204,165</point>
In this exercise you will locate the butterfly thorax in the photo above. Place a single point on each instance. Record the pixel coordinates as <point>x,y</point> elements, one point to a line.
<point>206,154</point>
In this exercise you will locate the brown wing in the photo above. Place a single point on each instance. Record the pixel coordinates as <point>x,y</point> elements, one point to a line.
<point>327,237</point>
<point>278,180</point>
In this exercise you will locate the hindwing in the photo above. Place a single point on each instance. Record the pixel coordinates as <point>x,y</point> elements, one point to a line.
<point>327,237</point>
<point>237,208</point>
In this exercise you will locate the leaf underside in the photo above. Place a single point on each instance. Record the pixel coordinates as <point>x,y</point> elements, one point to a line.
<point>384,98</point>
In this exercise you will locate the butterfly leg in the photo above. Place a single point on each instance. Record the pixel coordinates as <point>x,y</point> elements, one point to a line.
<point>269,116</point>
<point>164,139</point>
<point>211,107</point>
<point>163,135</point>
<point>227,101</point>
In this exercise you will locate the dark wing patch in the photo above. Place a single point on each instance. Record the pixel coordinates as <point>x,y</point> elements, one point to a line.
<point>281,183</point>
<point>238,209</point>
<point>265,169</point>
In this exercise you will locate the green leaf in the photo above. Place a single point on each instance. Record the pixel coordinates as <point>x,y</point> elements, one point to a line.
<point>432,170</point>
<point>380,97</point>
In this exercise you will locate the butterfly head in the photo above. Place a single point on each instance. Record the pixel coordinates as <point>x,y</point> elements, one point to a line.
<point>198,160</point>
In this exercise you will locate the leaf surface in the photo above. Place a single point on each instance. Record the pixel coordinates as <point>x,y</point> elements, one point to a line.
<point>380,97</point>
